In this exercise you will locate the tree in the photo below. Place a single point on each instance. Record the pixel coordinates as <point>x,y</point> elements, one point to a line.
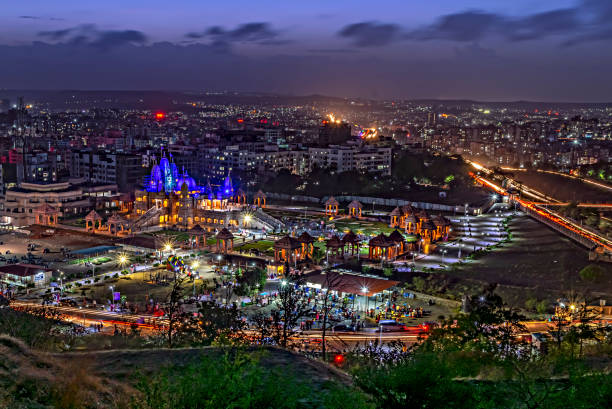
<point>331,281</point>
<point>173,307</point>
<point>263,325</point>
<point>490,326</point>
<point>250,281</point>
<point>290,308</point>
<point>219,323</point>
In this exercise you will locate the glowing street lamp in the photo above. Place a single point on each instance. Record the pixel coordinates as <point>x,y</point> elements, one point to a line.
<point>364,290</point>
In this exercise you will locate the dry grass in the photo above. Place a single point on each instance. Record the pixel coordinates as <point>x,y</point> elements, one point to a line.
<point>104,379</point>
<point>28,377</point>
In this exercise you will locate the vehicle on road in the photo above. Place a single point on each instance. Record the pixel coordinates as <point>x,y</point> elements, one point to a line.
<point>390,326</point>
<point>343,328</point>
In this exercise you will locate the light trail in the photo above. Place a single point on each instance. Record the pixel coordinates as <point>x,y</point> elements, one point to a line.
<point>552,216</point>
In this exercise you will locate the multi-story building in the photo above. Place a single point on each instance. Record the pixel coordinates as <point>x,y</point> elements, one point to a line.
<point>124,170</point>
<point>343,158</point>
<point>20,204</point>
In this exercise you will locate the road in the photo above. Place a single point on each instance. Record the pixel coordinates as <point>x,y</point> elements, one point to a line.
<point>336,341</point>
<point>592,236</point>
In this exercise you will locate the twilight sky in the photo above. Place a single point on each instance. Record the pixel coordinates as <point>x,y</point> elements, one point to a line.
<point>479,49</point>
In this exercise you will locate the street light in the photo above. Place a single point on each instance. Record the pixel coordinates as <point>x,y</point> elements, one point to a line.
<point>364,290</point>
<point>112,295</point>
<point>195,277</point>
<point>61,283</point>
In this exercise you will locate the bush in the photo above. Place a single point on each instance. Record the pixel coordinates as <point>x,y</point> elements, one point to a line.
<point>542,307</point>
<point>419,283</point>
<point>592,272</point>
<point>531,304</point>
<point>239,380</point>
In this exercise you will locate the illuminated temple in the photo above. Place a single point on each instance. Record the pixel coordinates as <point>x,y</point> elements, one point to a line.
<point>173,198</point>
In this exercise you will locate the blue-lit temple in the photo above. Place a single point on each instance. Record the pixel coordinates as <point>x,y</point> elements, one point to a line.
<point>171,197</point>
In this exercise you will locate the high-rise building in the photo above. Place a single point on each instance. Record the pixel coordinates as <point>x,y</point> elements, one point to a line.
<point>334,133</point>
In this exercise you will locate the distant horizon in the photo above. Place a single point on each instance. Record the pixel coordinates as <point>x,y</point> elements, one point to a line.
<point>304,95</point>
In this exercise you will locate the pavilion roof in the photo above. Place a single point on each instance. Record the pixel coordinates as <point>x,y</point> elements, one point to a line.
<point>260,194</point>
<point>93,215</point>
<point>441,221</point>
<point>407,209</point>
<point>331,201</point>
<point>380,241</point>
<point>197,229</point>
<point>115,218</point>
<point>350,237</point>
<point>396,237</point>
<point>355,204</point>
<point>350,283</point>
<point>306,238</point>
<point>46,208</point>
<point>423,215</point>
<point>395,212</point>
<point>225,234</point>
<point>240,192</point>
<point>287,242</point>
<point>334,242</point>
<point>428,225</point>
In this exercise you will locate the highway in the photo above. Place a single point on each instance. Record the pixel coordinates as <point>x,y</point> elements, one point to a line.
<point>537,209</point>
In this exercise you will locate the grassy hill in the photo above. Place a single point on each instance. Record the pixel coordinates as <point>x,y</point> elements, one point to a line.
<point>169,378</point>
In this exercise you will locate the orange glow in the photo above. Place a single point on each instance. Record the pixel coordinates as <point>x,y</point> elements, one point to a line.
<point>240,120</point>
<point>160,115</point>
<point>339,359</point>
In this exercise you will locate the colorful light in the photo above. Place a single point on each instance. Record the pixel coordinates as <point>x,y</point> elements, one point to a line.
<point>160,115</point>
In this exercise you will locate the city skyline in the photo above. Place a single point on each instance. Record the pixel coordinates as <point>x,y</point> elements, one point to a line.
<point>503,52</point>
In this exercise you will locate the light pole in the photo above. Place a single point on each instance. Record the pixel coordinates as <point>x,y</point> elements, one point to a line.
<point>194,266</point>
<point>112,296</point>
<point>364,290</point>
<point>61,283</point>
<point>195,277</point>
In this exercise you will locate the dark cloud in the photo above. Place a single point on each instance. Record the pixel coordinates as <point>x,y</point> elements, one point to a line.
<point>370,34</point>
<point>90,35</point>
<point>332,50</point>
<point>589,20</point>
<point>220,37</point>
<point>464,26</point>
<point>544,24</point>
<point>40,18</point>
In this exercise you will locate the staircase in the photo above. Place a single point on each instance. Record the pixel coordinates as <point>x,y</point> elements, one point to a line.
<point>267,221</point>
<point>148,218</point>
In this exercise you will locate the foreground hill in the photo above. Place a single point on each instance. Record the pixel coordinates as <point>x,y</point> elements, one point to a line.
<point>164,378</point>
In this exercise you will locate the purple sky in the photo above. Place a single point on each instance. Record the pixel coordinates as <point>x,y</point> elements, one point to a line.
<point>490,50</point>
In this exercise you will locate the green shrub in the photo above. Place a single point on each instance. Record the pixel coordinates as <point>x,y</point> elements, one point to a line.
<point>542,307</point>
<point>531,304</point>
<point>592,272</point>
